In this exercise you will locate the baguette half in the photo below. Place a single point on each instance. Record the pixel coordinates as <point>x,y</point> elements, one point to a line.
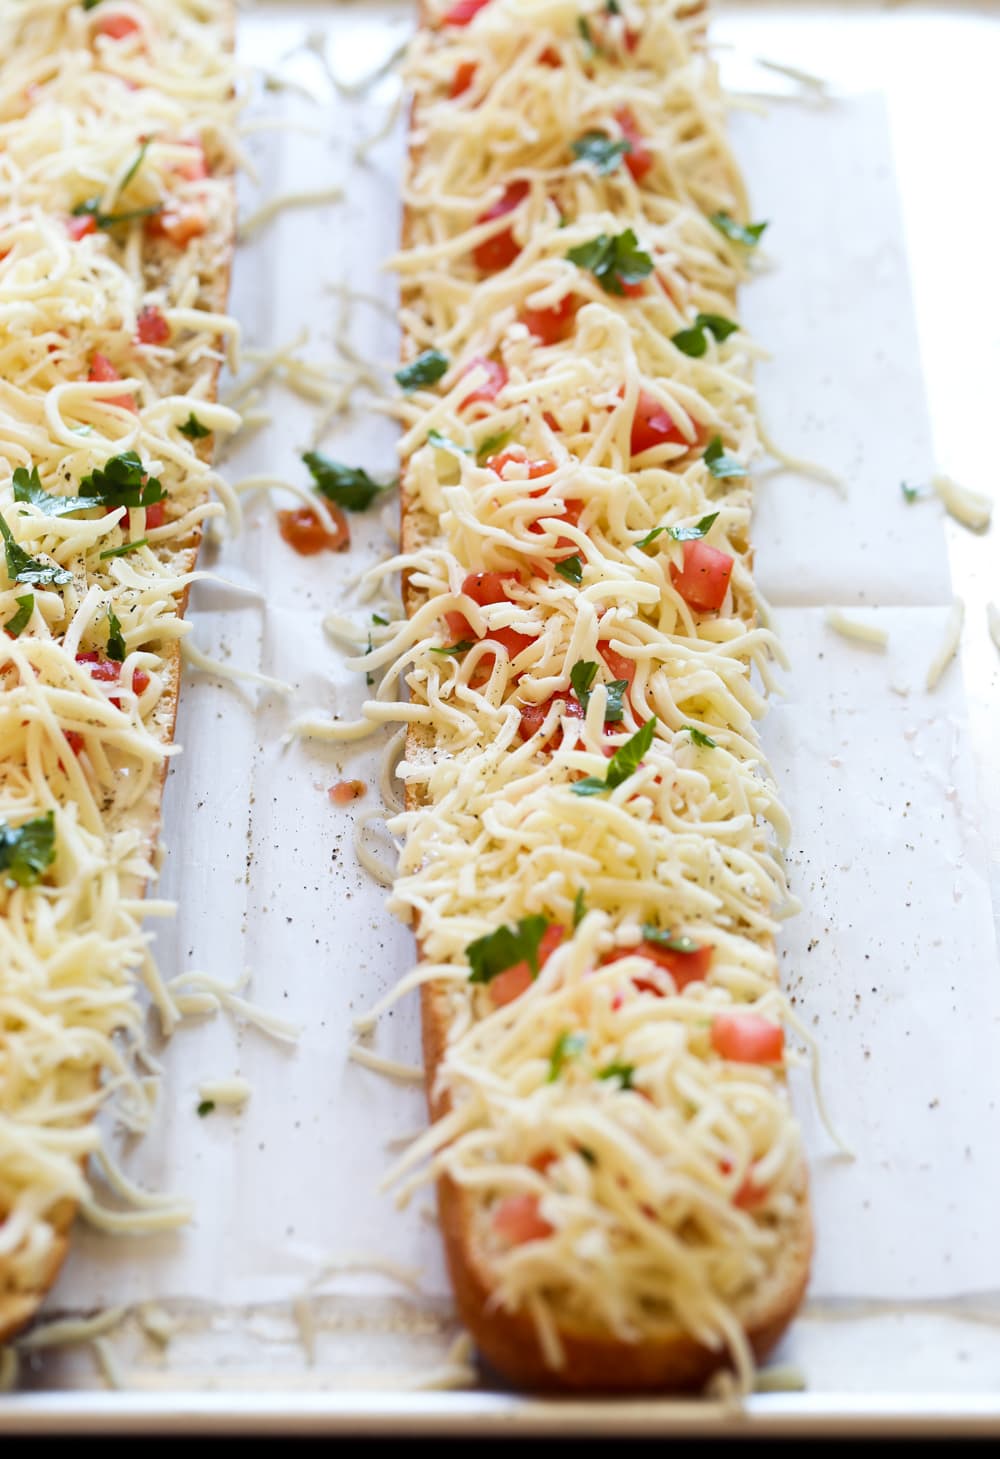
<point>182,54</point>
<point>579,1351</point>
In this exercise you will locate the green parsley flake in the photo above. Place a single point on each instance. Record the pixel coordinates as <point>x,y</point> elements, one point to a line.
<point>346,486</point>
<point>23,568</point>
<point>426,369</point>
<point>614,261</point>
<point>694,342</point>
<point>493,954</point>
<point>602,152</point>
<point>720,463</point>
<point>28,850</point>
<point>16,625</point>
<point>193,428</point>
<point>749,234</point>
<point>622,765</point>
<point>566,1046</point>
<point>124,549</point>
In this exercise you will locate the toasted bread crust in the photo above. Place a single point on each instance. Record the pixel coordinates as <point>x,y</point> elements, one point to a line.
<point>19,1305</point>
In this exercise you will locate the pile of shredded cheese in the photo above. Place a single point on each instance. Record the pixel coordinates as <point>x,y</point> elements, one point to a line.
<point>116,220</point>
<point>656,1181</point>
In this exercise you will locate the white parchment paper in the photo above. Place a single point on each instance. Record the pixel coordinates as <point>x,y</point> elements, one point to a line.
<point>893,960</point>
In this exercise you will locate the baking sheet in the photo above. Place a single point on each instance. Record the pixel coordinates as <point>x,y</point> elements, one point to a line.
<point>893,962</point>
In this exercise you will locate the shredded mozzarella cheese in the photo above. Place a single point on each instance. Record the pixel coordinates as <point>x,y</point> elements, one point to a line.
<point>852,628</point>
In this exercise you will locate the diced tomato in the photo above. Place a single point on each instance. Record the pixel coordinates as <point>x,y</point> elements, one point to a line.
<point>179,225</point>
<point>535,468</point>
<point>550,57</point>
<point>489,587</point>
<point>117,27</point>
<point>703,581</point>
<point>683,967</point>
<point>570,512</point>
<point>464,76</point>
<point>517,1220</point>
<point>632,39</point>
<point>75,742</point>
<point>632,291</point>
<point>747,1038</point>
<point>496,379</point>
<point>500,251</point>
<point>652,425</point>
<point>194,167</point>
<point>618,664</point>
<point>155,516</point>
<point>151,327</point>
<point>304,530</point>
<point>750,1194</point>
<point>484,588</point>
<point>346,791</point>
<point>510,639</point>
<point>512,982</point>
<point>463,11</point>
<point>101,369</point>
<point>551,326</point>
<point>533,715</point>
<point>640,159</point>
<point>80,225</point>
<point>108,671</point>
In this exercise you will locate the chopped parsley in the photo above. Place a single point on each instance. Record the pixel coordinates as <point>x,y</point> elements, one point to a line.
<point>672,941</point>
<point>566,1046</point>
<point>493,954</point>
<point>92,209</point>
<point>492,444</point>
<point>680,534</point>
<point>571,569</point>
<point>426,369</point>
<point>621,1072</point>
<point>205,1108</point>
<point>193,428</point>
<point>454,649</point>
<point>749,234</point>
<point>123,482</point>
<point>602,152</point>
<point>582,677</point>
<point>345,486</point>
<point>15,626</point>
<point>693,341</point>
<point>369,678</point>
<point>23,568</point>
<point>443,443</point>
<point>382,622</point>
<point>143,148</point>
<point>614,261</point>
<point>590,46</point>
<point>622,765</point>
<point>910,493</point>
<point>700,737</point>
<point>124,549</point>
<point>612,7</point>
<point>116,643</point>
<point>579,909</point>
<point>720,463</point>
<point>28,488</point>
<point>27,851</point>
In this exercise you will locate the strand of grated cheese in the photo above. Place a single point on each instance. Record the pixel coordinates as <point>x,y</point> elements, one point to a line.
<point>637,1185</point>
<point>118,124</point>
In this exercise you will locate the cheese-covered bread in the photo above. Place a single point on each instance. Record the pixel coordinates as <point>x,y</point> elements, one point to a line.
<point>116,233</point>
<point>590,859</point>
